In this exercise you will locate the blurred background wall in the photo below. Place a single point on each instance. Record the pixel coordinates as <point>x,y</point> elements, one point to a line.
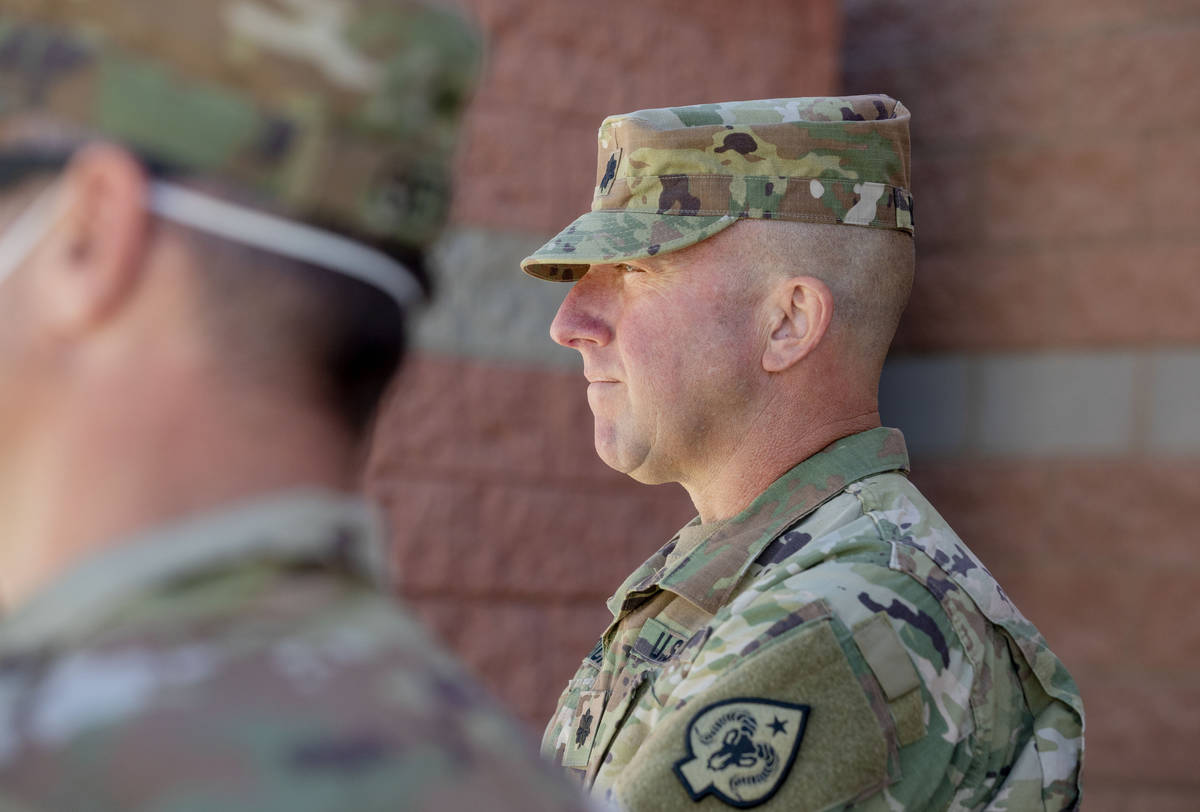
<point>1047,373</point>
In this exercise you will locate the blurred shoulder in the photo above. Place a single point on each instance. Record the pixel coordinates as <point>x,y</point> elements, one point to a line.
<point>268,687</point>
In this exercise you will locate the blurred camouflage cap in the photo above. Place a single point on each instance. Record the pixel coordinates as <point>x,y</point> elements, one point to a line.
<point>342,112</point>
<point>671,177</point>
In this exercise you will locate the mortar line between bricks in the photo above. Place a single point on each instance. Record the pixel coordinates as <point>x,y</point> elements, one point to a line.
<point>1024,248</point>
<point>522,597</point>
<point>868,54</point>
<point>498,105</point>
<point>1182,674</point>
<point>1108,782</point>
<point>1052,135</point>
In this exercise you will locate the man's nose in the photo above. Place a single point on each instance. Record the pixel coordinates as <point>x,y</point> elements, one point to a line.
<point>581,317</point>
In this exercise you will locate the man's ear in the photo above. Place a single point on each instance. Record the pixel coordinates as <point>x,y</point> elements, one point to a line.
<point>92,258</point>
<point>800,310</point>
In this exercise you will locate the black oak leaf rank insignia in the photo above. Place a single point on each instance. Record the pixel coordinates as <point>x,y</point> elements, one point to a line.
<point>610,173</point>
<point>585,729</point>
<point>740,750</point>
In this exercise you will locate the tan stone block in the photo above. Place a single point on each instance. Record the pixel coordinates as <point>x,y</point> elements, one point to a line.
<point>1100,795</point>
<point>892,27</point>
<point>1137,80</point>
<point>1000,510</point>
<point>434,526</point>
<point>1075,16</point>
<point>1087,613</point>
<point>458,415</point>
<point>555,70</point>
<point>1173,181</point>
<point>524,168</point>
<point>1089,293</point>
<point>1109,513</point>
<point>1054,193</point>
<point>523,652</point>
<point>1127,513</point>
<point>948,204</point>
<point>1141,726</point>
<point>570,541</point>
<point>536,539</point>
<point>1166,616</point>
<point>588,47</point>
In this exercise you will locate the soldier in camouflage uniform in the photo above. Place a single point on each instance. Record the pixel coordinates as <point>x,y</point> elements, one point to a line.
<point>818,637</point>
<point>210,226</point>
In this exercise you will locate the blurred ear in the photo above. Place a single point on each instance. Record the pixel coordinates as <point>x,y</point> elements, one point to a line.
<point>800,310</point>
<point>92,257</point>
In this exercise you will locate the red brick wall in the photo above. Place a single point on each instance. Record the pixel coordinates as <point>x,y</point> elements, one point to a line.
<point>510,532</point>
<point>556,69</point>
<point>1055,173</point>
<point>1055,166</point>
<point>1057,184</point>
<point>1103,557</point>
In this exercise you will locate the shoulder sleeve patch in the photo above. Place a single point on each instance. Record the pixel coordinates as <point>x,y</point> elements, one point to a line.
<point>807,705</point>
<point>741,749</point>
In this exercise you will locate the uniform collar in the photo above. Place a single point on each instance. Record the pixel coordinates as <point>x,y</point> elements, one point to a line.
<point>296,525</point>
<point>709,574</point>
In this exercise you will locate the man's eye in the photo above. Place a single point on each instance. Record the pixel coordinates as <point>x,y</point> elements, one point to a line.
<point>625,267</point>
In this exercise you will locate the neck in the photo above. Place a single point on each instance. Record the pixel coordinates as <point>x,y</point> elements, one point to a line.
<point>111,463</point>
<point>768,450</point>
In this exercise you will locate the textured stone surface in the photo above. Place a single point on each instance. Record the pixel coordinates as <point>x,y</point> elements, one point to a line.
<point>1144,725</point>
<point>1046,192</point>
<point>1054,155</point>
<point>1090,403</point>
<point>534,540</point>
<point>498,509</point>
<point>1056,404</point>
<point>1102,557</point>
<point>509,533</point>
<point>928,398</point>
<point>486,308</point>
<point>556,69</point>
<point>1175,402</point>
<point>1114,514</point>
<point>1053,162</point>
<point>1080,294</point>
<point>1104,795</point>
<point>498,421</point>
<point>507,453</point>
<point>524,650</point>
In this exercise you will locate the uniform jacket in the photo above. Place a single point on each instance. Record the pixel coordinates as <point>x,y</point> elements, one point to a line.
<point>834,645</point>
<point>246,661</point>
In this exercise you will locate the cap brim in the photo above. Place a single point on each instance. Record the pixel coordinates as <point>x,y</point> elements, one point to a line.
<point>618,236</point>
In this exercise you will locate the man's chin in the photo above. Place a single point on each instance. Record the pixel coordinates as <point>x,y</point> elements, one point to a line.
<point>633,463</point>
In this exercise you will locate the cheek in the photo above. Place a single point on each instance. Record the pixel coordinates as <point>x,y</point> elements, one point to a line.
<point>654,353</point>
<point>690,347</point>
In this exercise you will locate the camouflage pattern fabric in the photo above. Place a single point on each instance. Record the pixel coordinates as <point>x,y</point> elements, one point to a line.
<point>669,178</point>
<point>245,661</point>
<point>833,646</point>
<point>339,112</point>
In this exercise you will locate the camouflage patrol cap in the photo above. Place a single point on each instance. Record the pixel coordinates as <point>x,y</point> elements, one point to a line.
<point>339,112</point>
<point>671,177</point>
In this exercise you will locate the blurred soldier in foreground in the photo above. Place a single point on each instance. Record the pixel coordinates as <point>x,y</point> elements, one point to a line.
<point>211,218</point>
<point>818,637</point>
